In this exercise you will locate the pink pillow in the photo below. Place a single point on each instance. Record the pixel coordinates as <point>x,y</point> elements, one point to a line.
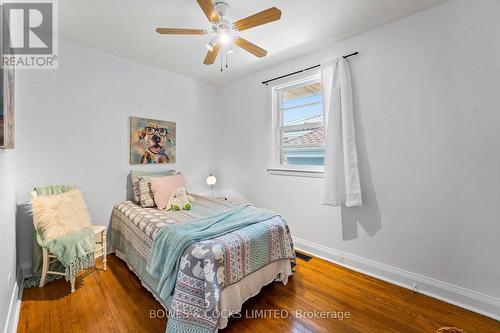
<point>163,187</point>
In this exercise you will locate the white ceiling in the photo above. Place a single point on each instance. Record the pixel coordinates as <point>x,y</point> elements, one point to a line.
<point>125,28</point>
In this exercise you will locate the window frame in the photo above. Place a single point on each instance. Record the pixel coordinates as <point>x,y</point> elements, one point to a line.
<point>276,167</point>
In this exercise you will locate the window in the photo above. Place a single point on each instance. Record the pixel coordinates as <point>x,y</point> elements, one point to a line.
<point>298,126</point>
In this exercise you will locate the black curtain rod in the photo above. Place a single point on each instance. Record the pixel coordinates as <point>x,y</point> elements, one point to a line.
<point>302,70</point>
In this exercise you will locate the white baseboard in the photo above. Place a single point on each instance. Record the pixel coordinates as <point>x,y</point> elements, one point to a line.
<point>456,295</point>
<point>15,304</point>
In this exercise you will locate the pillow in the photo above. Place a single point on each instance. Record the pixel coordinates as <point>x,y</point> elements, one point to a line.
<point>164,186</point>
<point>137,175</point>
<point>61,214</point>
<point>146,196</point>
<point>53,189</point>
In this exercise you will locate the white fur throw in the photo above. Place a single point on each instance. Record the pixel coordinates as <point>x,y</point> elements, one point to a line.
<point>58,215</point>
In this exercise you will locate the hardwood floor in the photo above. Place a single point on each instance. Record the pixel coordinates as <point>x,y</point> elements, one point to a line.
<point>115,301</point>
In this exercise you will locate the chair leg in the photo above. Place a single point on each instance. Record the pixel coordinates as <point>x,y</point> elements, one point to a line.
<point>45,266</point>
<point>104,250</point>
<point>73,284</point>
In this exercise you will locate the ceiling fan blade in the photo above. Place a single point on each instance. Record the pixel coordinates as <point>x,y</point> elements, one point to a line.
<point>174,31</point>
<point>209,10</point>
<point>250,47</point>
<point>263,17</point>
<point>211,55</point>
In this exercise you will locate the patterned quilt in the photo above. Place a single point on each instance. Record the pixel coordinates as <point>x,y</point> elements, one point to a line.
<point>206,267</point>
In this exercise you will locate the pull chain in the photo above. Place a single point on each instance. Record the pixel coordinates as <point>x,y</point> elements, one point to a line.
<point>224,50</point>
<point>221,62</point>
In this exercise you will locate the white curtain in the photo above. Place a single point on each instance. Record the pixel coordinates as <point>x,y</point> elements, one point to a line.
<point>341,177</point>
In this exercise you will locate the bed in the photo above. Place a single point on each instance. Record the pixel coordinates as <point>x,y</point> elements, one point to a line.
<point>214,276</point>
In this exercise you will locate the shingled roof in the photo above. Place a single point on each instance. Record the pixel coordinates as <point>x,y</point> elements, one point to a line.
<point>315,137</point>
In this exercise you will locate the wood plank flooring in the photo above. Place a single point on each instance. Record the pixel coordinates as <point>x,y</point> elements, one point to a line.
<point>115,301</point>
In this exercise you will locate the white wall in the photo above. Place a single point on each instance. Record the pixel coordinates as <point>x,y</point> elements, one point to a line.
<point>428,129</point>
<point>73,127</point>
<point>8,235</point>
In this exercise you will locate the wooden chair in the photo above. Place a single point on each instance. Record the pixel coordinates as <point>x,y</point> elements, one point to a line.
<point>99,251</point>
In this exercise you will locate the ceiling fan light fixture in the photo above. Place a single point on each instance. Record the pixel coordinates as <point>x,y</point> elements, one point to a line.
<point>224,37</point>
<point>211,44</point>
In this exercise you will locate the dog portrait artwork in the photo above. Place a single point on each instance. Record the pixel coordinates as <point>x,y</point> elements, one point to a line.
<point>151,141</point>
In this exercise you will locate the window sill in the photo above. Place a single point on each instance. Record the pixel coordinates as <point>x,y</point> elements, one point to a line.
<point>312,173</point>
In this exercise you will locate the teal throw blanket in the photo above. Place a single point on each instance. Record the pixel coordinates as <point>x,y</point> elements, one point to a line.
<point>75,251</point>
<point>172,241</point>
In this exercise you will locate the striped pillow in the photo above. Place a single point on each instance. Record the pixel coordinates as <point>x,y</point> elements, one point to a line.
<point>164,186</point>
<point>146,196</point>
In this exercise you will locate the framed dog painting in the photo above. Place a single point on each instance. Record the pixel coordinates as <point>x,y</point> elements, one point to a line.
<point>151,141</point>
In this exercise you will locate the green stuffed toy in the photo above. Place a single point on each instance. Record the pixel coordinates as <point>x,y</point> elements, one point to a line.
<point>180,200</point>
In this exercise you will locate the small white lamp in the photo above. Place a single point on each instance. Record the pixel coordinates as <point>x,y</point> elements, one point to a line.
<point>211,180</point>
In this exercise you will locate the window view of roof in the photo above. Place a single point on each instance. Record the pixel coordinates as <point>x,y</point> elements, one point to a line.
<point>314,137</point>
<point>302,134</point>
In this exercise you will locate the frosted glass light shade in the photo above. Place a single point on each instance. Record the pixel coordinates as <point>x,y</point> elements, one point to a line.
<point>211,180</point>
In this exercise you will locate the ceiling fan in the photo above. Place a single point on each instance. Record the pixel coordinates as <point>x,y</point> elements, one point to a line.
<point>225,32</point>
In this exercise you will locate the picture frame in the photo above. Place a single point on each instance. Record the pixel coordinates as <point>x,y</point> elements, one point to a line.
<point>152,141</point>
<point>7,101</point>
